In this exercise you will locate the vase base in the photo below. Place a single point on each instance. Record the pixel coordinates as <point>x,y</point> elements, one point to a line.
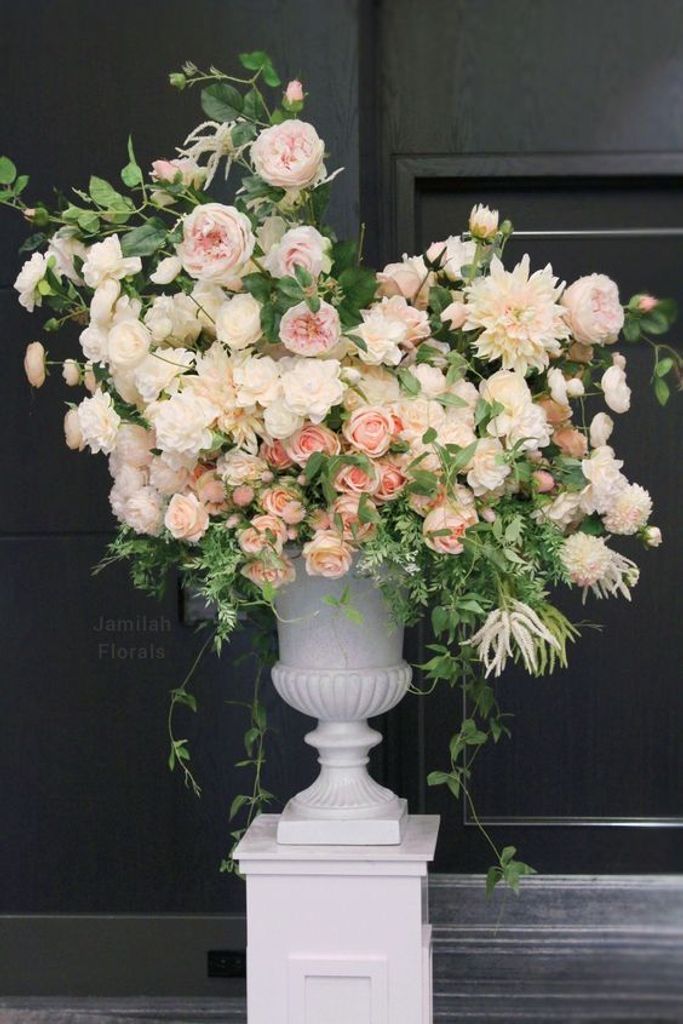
<point>293,830</point>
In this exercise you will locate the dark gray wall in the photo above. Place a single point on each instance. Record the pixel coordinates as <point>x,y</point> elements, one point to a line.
<point>91,819</point>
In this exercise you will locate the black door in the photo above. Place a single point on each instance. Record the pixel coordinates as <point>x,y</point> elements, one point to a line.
<point>563,117</point>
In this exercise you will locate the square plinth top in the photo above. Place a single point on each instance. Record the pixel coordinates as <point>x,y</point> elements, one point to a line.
<point>260,847</point>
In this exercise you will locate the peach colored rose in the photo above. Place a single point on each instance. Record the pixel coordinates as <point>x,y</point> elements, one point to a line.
<point>284,502</point>
<point>310,334</point>
<point>275,455</point>
<point>352,479</point>
<point>369,429</point>
<point>73,435</point>
<point>555,413</point>
<point>392,479</point>
<point>327,554</point>
<point>275,572</point>
<point>264,532</point>
<point>571,442</point>
<point>595,314</point>
<point>313,437</point>
<point>217,242</point>
<point>186,518</point>
<point>34,364</point>
<point>289,155</point>
<point>345,515</point>
<point>444,527</point>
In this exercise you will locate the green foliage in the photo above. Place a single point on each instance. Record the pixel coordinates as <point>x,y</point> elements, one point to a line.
<point>222,102</point>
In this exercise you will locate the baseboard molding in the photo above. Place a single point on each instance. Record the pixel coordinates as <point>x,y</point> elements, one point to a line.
<point>569,948</point>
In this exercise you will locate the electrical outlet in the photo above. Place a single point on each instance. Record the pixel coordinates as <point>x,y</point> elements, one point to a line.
<point>226,963</point>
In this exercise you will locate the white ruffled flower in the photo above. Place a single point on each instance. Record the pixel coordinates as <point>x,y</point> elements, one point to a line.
<point>521,419</point>
<point>99,422</point>
<point>167,270</point>
<point>165,478</point>
<point>173,319</point>
<point>238,322</point>
<point>483,221</point>
<point>257,380</point>
<point>519,316</point>
<point>28,279</point>
<point>159,369</point>
<point>127,345</point>
<point>105,260</point>
<point>182,426</point>
<point>280,421</point>
<point>311,387</point>
<point>94,342</point>
<point>505,628</point>
<point>382,335</point>
<point>562,511</point>
<point>629,511</point>
<point>65,246</point>
<point>143,511</point>
<point>208,299</point>
<point>236,467</point>
<point>103,301</point>
<point>214,139</point>
<point>452,255</point>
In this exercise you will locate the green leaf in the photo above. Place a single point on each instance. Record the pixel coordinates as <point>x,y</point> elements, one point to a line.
<point>662,391</point>
<point>270,322</point>
<point>254,107</point>
<point>507,854</point>
<point>631,329</point>
<point>105,196</point>
<point>437,778</point>
<point>88,221</point>
<point>344,255</point>
<point>237,804</point>
<point>663,367</point>
<point>131,175</point>
<point>359,286</point>
<point>257,285</point>
<point>493,876</point>
<point>409,382</point>
<point>254,60</point>
<point>242,132</point>
<point>8,171</point>
<point>221,102</point>
<point>439,298</point>
<point>144,240</point>
<point>33,242</point>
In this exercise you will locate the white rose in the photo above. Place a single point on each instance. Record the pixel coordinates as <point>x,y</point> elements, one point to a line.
<point>487,470</point>
<point>452,255</point>
<point>520,419</point>
<point>128,344</point>
<point>616,390</point>
<point>99,422</point>
<point>375,386</point>
<point>563,511</point>
<point>182,425</point>
<point>167,270</point>
<point>310,387</point>
<point>432,380</point>
<point>158,369</point>
<point>103,301</point>
<point>281,422</point>
<point>94,343</point>
<point>600,429</point>
<point>257,380</point>
<point>173,319</point>
<point>105,260</point>
<point>558,386</point>
<point>28,279</point>
<point>238,322</point>
<point>125,386</point>
<point>73,435</point>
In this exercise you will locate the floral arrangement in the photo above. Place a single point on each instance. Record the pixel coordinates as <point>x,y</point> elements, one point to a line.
<point>270,406</point>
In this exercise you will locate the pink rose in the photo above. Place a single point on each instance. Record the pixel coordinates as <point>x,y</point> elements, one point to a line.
<point>345,515</point>
<point>217,242</point>
<point>369,429</point>
<point>454,315</point>
<point>184,169</point>
<point>444,526</point>
<point>289,155</point>
<point>311,438</point>
<point>392,480</point>
<point>310,334</point>
<point>275,455</point>
<point>646,303</point>
<point>294,93</point>
<point>186,518</point>
<point>264,532</point>
<point>299,247</point>
<point>275,572</point>
<point>327,554</point>
<point>544,481</point>
<point>594,312</point>
<point>284,502</point>
<point>409,278</point>
<point>353,480</point>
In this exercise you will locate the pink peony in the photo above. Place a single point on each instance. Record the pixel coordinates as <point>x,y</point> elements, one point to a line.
<point>289,155</point>
<point>310,334</point>
<point>217,242</point>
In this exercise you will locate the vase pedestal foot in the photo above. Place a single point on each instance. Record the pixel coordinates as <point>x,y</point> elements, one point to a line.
<point>387,830</point>
<point>338,934</point>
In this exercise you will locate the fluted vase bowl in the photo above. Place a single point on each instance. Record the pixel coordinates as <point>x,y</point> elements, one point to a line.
<point>341,668</point>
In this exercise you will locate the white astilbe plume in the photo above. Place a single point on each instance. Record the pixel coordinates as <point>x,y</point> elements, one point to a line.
<point>213,138</point>
<point>620,577</point>
<point>519,624</point>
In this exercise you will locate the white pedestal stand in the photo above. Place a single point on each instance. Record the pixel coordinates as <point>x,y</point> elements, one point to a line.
<point>338,934</point>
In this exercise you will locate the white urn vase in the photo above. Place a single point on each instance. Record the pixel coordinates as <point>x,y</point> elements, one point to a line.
<point>341,669</point>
